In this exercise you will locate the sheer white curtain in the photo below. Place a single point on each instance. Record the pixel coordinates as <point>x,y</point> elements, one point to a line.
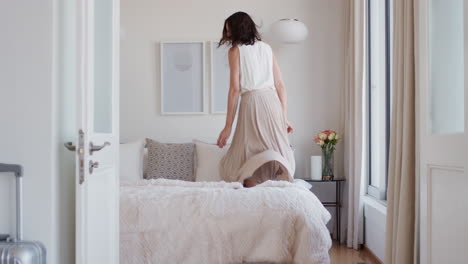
<point>353,121</point>
<point>402,161</point>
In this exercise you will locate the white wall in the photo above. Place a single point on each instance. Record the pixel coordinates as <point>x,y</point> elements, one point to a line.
<point>28,126</point>
<point>26,119</point>
<point>313,70</point>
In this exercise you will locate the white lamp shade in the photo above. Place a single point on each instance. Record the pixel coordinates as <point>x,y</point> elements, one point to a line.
<point>289,30</point>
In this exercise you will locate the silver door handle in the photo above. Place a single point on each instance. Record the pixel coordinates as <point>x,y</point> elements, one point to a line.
<point>93,148</point>
<point>70,146</point>
<point>92,166</point>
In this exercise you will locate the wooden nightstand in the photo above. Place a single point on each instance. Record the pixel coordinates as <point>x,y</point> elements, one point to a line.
<point>337,203</point>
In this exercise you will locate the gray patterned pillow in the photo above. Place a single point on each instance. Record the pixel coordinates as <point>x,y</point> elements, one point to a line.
<point>170,161</point>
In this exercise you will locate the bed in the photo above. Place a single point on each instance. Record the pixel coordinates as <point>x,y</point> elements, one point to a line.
<point>175,221</point>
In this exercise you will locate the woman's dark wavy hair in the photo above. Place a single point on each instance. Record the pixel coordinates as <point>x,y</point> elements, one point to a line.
<point>243,30</point>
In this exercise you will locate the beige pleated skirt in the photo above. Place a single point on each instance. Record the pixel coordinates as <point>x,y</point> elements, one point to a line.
<point>260,148</point>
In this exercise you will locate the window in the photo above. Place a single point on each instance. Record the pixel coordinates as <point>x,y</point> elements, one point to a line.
<point>379,95</point>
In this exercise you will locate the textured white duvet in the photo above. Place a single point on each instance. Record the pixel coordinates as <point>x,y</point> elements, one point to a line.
<point>169,221</point>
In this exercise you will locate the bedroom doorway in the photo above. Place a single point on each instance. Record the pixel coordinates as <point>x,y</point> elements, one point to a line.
<point>88,35</point>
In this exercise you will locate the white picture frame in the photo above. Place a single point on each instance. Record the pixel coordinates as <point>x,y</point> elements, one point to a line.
<point>182,82</point>
<point>219,77</point>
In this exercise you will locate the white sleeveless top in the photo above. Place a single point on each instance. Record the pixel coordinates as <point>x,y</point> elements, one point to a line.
<point>256,67</point>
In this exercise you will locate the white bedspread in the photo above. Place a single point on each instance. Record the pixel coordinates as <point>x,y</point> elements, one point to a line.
<point>175,222</point>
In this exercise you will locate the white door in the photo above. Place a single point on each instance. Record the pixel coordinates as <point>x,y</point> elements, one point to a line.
<point>443,130</point>
<point>97,184</point>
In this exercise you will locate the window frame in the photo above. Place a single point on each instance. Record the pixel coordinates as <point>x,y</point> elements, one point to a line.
<point>379,192</point>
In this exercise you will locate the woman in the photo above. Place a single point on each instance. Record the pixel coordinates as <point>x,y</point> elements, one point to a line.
<point>260,148</point>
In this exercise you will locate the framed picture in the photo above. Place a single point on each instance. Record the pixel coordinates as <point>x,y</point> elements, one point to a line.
<point>182,77</point>
<point>219,78</point>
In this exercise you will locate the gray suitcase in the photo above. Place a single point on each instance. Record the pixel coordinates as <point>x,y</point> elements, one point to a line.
<point>18,251</point>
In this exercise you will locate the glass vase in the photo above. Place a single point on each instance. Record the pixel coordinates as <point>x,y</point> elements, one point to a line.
<point>327,162</point>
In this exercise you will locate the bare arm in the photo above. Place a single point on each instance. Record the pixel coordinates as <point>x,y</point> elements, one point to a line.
<point>279,84</point>
<point>234,86</point>
<point>281,90</point>
<point>233,97</point>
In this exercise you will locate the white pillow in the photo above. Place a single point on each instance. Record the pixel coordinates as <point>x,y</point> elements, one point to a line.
<point>131,161</point>
<point>303,183</point>
<point>207,161</point>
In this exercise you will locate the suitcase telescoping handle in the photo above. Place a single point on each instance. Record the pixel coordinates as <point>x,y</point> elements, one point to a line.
<point>18,171</point>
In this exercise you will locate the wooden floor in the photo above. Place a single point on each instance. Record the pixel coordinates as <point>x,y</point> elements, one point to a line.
<point>340,254</point>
